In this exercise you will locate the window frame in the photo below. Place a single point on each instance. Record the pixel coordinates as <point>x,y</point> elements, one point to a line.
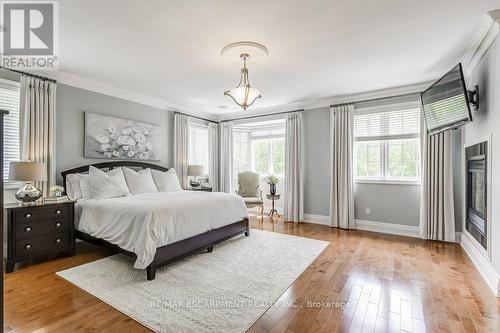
<point>270,162</point>
<point>384,177</point>
<point>15,86</point>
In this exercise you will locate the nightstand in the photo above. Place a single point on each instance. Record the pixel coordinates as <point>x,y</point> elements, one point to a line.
<point>205,189</point>
<point>39,230</point>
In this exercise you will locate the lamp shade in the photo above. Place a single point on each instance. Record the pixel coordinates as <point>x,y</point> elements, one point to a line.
<point>28,171</point>
<point>195,170</point>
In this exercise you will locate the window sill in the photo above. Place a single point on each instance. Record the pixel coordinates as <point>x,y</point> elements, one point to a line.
<point>388,182</point>
<point>12,185</point>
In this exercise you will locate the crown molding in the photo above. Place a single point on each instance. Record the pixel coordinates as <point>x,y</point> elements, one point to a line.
<point>81,82</point>
<point>485,35</point>
<point>327,101</point>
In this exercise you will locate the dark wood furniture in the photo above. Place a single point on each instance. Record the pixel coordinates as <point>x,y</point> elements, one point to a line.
<point>171,252</point>
<point>39,230</point>
<point>199,188</point>
<point>273,211</point>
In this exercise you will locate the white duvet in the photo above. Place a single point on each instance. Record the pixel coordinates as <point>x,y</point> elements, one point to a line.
<point>141,223</point>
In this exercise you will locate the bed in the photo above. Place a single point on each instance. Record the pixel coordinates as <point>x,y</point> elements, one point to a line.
<point>158,228</point>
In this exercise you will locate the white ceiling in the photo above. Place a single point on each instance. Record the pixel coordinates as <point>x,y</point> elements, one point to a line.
<point>169,50</point>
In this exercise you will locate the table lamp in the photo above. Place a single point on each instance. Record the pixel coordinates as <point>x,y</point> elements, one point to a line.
<point>28,172</point>
<point>195,171</point>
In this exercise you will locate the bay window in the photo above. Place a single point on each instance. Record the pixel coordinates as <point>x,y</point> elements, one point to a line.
<point>198,146</point>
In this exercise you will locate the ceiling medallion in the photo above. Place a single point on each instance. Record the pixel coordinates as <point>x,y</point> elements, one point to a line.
<point>244,94</point>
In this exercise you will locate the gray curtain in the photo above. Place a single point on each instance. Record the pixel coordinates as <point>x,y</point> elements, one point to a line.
<point>226,157</point>
<point>437,213</point>
<point>37,111</point>
<point>181,147</point>
<point>213,154</point>
<point>341,186</point>
<point>294,168</point>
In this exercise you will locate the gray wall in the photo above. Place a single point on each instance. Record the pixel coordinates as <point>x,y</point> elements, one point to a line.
<point>397,204</point>
<point>317,161</point>
<point>71,104</point>
<point>487,122</point>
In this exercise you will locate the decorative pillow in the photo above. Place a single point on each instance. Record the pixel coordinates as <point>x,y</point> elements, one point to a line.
<point>139,181</point>
<point>73,187</point>
<point>109,184</point>
<point>166,181</point>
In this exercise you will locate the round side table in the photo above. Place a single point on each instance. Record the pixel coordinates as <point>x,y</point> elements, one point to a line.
<point>273,211</point>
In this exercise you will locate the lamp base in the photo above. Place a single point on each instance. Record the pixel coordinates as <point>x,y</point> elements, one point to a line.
<point>28,194</point>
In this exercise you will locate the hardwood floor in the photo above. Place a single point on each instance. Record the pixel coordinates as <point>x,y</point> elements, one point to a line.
<point>362,282</point>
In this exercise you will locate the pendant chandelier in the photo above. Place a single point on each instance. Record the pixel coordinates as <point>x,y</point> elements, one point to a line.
<point>244,94</point>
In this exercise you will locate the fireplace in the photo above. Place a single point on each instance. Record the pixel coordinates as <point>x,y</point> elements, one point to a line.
<point>477,184</point>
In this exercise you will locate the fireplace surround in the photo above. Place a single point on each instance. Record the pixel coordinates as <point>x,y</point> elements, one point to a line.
<point>476,223</point>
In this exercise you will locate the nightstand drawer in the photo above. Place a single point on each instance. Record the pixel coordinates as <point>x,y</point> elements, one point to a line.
<point>41,213</point>
<point>40,228</point>
<point>26,247</point>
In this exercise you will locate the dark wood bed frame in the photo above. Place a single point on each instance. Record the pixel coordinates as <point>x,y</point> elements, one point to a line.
<point>171,252</point>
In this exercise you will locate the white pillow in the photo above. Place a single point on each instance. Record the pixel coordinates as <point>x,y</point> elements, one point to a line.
<point>73,187</point>
<point>166,181</point>
<point>139,181</point>
<point>109,184</point>
<point>84,181</point>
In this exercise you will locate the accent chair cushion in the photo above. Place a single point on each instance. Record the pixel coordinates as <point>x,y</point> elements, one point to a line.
<point>248,184</point>
<point>253,200</point>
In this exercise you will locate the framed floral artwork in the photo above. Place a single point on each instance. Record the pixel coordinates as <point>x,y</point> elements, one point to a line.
<point>121,139</point>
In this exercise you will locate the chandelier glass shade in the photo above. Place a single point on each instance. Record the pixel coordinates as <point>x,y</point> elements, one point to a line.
<point>244,95</point>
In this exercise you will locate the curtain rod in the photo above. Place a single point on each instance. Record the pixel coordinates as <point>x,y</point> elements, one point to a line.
<point>29,74</point>
<point>261,115</point>
<point>375,99</point>
<point>200,118</point>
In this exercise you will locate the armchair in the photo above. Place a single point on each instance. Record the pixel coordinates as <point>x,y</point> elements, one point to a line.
<point>248,189</point>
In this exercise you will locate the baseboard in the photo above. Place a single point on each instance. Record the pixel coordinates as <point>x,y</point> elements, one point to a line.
<point>480,259</point>
<point>317,219</point>
<point>388,228</point>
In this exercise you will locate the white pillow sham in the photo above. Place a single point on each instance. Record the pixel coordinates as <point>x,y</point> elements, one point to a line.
<point>139,181</point>
<point>166,181</point>
<point>73,187</point>
<point>105,185</point>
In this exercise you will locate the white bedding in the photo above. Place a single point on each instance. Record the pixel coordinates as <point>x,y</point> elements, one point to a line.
<point>143,222</point>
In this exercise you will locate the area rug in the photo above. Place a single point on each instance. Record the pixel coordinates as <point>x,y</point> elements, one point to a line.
<point>226,290</point>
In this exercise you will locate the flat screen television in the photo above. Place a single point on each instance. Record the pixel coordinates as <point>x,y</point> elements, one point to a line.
<point>446,103</point>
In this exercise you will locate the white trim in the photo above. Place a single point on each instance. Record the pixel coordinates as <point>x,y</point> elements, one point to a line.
<point>388,228</point>
<point>481,261</point>
<point>317,219</point>
<point>128,95</point>
<point>482,40</point>
<point>387,182</point>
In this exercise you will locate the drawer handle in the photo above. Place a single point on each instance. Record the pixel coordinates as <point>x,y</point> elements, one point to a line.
<point>58,240</point>
<point>27,246</point>
<point>27,215</point>
<point>58,224</point>
<point>27,229</point>
<point>58,212</point>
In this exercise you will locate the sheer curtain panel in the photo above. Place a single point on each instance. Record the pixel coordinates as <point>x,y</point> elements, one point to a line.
<point>37,111</point>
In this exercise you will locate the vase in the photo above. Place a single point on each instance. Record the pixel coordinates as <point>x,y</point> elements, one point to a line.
<point>272,189</point>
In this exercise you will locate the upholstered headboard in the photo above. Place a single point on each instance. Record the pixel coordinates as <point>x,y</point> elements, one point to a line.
<point>111,165</point>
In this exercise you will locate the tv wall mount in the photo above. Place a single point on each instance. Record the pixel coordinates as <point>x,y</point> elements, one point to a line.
<point>473,97</point>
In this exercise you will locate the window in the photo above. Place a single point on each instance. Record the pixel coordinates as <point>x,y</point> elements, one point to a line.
<point>9,100</point>
<point>387,145</point>
<point>268,156</point>
<point>260,147</point>
<point>198,146</point>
